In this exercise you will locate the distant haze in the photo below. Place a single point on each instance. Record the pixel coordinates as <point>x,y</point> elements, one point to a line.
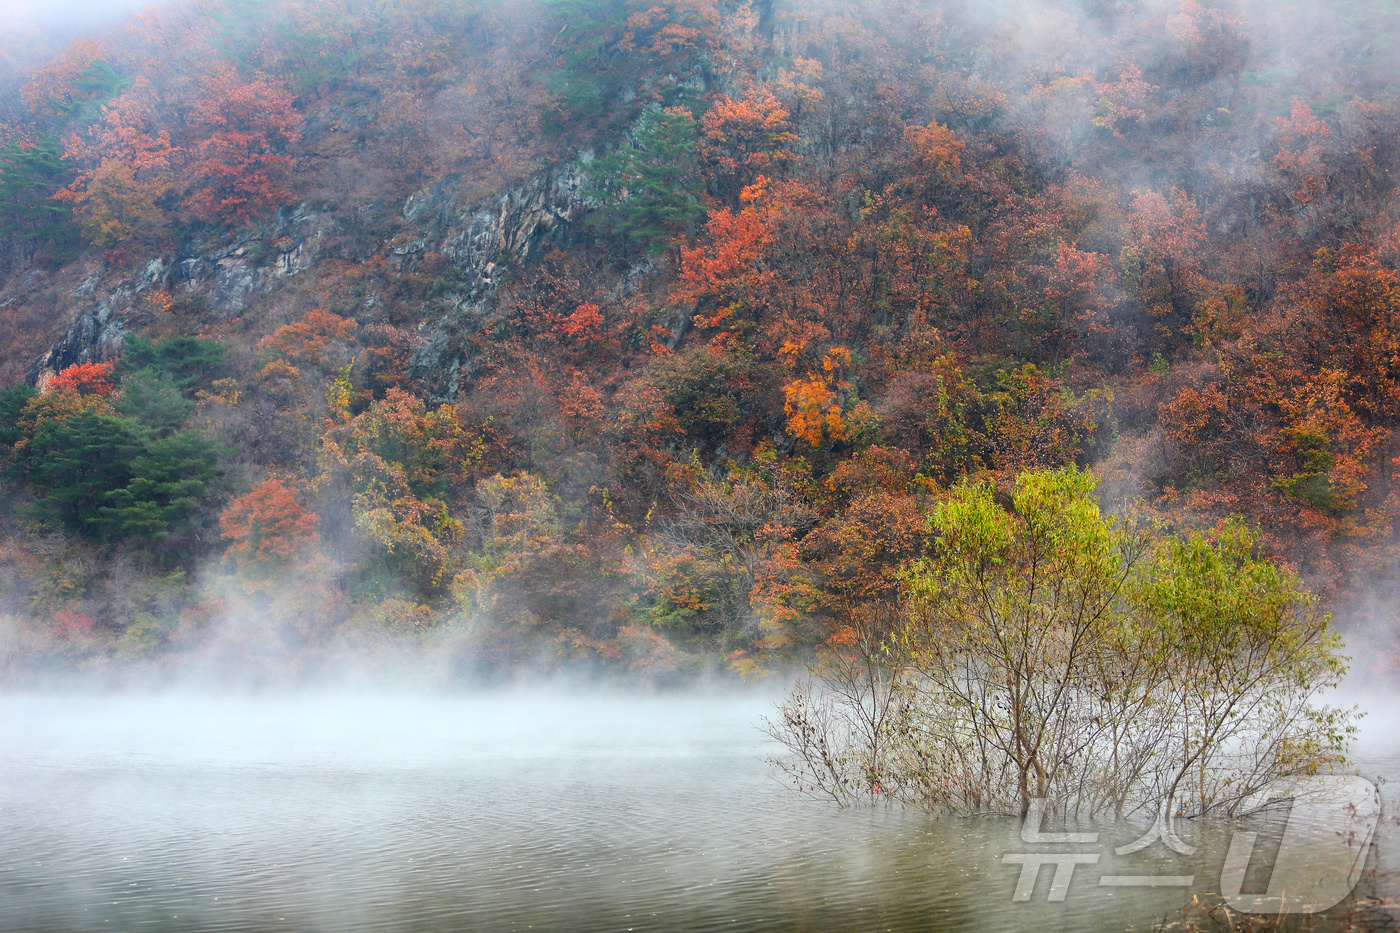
<point>65,13</point>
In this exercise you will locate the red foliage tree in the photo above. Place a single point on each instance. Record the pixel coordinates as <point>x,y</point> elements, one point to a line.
<point>85,379</point>
<point>240,166</point>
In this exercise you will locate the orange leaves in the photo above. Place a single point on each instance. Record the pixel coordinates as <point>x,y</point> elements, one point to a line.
<point>585,324</point>
<point>312,340</point>
<point>734,261</point>
<point>673,26</point>
<point>85,379</point>
<point>738,271</point>
<point>1301,123</point>
<point>813,410</point>
<point>741,138</point>
<point>935,148</point>
<point>1192,413</point>
<point>1167,230</point>
<point>266,528</point>
<point>128,134</point>
<point>812,403</point>
<point>1348,318</point>
<point>54,87</point>
<point>128,165</point>
<point>582,404</point>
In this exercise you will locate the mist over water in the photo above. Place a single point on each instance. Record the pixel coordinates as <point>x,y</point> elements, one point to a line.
<point>543,809</point>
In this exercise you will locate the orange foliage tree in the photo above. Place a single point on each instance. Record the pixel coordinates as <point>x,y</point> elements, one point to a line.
<point>267,529</point>
<point>128,167</point>
<point>741,139</point>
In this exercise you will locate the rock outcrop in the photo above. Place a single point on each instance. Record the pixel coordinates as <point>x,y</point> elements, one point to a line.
<point>231,278</point>
<point>483,245</point>
<point>93,338</point>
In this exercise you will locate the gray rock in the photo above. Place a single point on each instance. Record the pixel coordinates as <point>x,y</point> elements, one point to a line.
<point>93,338</point>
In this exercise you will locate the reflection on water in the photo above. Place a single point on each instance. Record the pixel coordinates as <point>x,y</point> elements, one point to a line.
<point>495,813</point>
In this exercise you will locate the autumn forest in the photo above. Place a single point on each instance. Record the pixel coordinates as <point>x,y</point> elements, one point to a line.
<point>642,338</point>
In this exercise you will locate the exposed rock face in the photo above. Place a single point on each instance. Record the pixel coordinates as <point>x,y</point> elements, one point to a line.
<point>231,278</point>
<point>483,244</point>
<point>539,212</point>
<point>93,338</point>
<point>234,276</point>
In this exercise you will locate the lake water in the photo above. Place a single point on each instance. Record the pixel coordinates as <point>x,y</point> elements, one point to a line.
<point>502,812</point>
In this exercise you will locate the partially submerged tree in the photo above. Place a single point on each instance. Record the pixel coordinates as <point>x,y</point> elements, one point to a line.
<point>1047,650</point>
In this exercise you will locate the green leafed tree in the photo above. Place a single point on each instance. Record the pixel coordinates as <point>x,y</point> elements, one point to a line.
<point>151,397</point>
<point>125,473</point>
<point>37,226</point>
<point>75,462</point>
<point>1048,650</point>
<point>169,484</point>
<point>651,187</point>
<point>188,362</point>
<point>12,403</point>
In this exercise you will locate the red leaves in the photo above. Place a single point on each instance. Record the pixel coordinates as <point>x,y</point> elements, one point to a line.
<point>267,528</point>
<point>240,167</point>
<point>85,379</point>
<point>70,624</point>
<point>1300,152</point>
<point>584,324</point>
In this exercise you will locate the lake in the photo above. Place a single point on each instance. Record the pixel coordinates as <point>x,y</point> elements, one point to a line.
<point>511,811</point>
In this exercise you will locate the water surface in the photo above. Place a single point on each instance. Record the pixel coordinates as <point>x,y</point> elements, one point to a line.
<point>486,813</point>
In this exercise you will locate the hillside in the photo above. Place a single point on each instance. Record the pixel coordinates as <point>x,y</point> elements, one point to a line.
<point>638,337</point>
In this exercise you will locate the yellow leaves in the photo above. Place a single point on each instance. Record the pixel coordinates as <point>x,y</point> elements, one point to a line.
<point>221,391</point>
<point>517,521</point>
<point>402,617</point>
<point>799,82</point>
<point>1222,315</point>
<point>338,392</point>
<point>116,207</point>
<point>56,406</point>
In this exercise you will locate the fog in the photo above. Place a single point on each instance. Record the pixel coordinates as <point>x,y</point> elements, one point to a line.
<point>66,15</point>
<point>368,729</point>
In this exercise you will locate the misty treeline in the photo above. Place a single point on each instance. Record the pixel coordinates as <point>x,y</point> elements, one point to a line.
<point>823,264</point>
